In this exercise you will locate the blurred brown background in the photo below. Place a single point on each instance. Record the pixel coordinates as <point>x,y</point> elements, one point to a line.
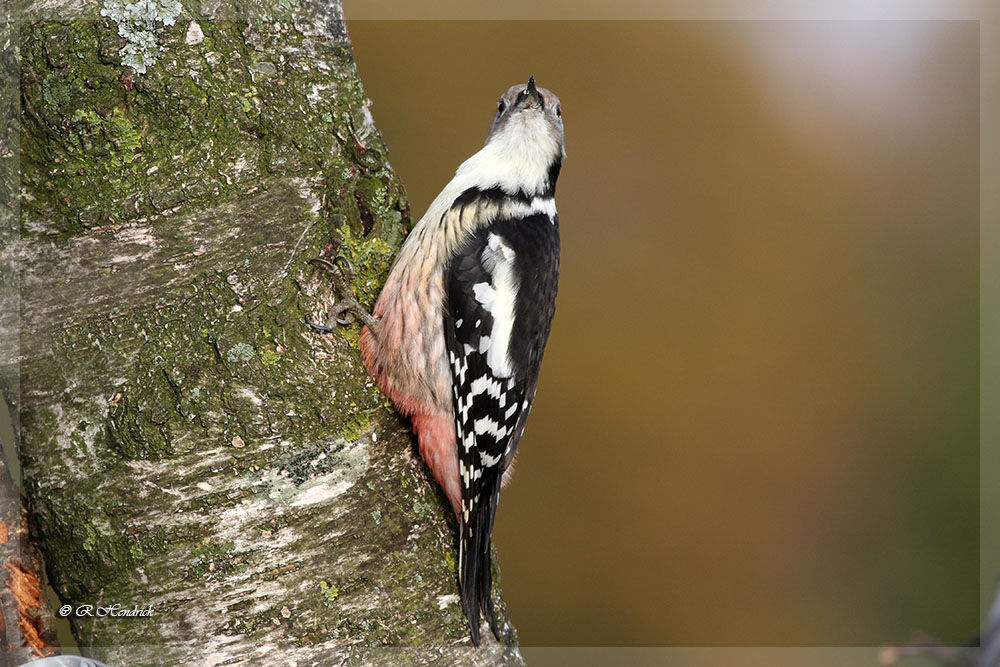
<point>758,418</point>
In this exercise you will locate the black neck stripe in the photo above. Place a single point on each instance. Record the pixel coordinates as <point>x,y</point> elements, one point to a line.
<point>498,194</point>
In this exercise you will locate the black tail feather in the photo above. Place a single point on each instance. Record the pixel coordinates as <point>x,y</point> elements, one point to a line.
<point>475,568</point>
<point>486,583</point>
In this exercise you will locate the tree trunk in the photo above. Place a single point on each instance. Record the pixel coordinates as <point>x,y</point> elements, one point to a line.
<point>187,444</point>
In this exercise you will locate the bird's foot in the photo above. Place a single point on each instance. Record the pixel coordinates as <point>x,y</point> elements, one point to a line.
<point>346,307</point>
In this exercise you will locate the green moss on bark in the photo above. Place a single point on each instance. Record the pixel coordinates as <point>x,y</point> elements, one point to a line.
<point>207,123</point>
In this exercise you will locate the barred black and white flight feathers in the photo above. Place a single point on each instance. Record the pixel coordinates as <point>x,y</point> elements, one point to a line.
<point>501,289</point>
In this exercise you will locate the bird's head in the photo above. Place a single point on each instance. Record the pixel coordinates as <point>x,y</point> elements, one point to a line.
<point>528,127</point>
<point>525,147</point>
<point>528,109</point>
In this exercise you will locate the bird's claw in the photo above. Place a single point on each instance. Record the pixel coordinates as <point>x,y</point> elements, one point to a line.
<point>319,328</point>
<point>346,309</point>
<point>340,267</point>
<point>349,307</point>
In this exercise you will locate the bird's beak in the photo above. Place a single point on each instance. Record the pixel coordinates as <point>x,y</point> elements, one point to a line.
<point>531,93</point>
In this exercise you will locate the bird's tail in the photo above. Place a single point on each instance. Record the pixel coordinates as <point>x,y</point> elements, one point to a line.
<point>474,560</point>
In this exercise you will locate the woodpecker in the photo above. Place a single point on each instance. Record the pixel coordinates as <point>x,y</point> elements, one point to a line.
<point>459,328</point>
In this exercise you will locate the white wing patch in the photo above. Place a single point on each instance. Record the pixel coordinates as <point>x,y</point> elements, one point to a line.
<point>485,295</point>
<point>460,366</point>
<point>486,385</point>
<point>487,426</point>
<point>498,299</point>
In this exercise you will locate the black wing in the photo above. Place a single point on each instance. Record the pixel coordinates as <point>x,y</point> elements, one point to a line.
<point>501,299</point>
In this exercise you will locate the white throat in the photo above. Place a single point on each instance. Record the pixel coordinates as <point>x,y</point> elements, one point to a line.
<point>517,157</point>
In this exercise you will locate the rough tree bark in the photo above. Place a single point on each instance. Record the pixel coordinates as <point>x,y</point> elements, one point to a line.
<point>186,442</point>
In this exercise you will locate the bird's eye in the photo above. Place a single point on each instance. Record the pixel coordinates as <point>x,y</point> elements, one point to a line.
<point>559,110</point>
<point>501,105</point>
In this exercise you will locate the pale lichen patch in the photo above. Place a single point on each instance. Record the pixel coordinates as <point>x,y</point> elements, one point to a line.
<point>194,34</point>
<point>137,235</point>
<point>446,600</point>
<point>316,474</point>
